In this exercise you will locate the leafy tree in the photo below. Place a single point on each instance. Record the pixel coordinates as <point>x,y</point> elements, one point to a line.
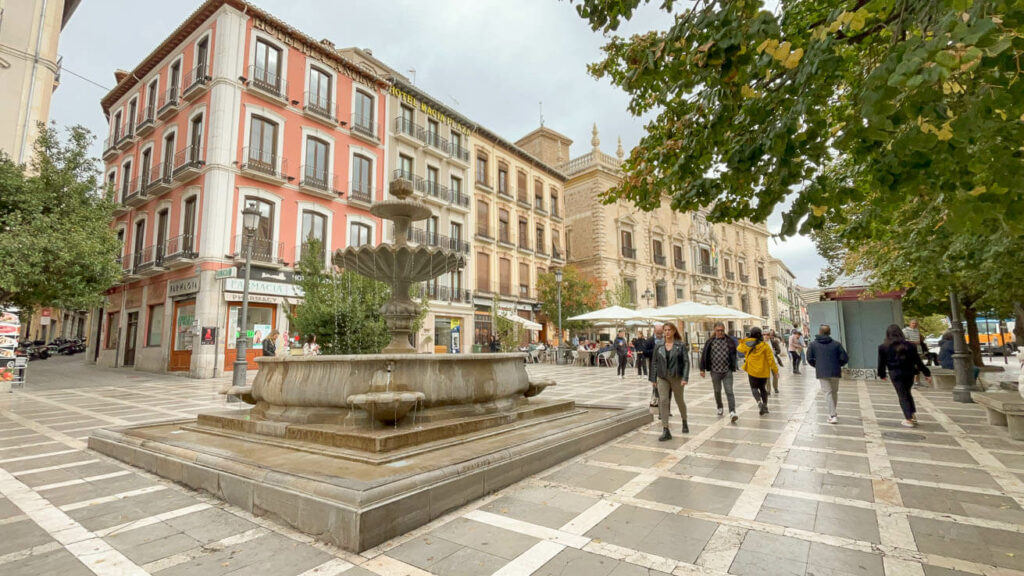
<point>619,295</point>
<point>580,294</point>
<point>923,99</point>
<point>56,243</point>
<point>933,324</point>
<point>509,333</point>
<point>341,308</point>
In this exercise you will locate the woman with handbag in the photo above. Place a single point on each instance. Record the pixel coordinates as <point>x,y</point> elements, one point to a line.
<point>670,370</point>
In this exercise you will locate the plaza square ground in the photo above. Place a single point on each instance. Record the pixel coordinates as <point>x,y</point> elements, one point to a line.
<point>784,493</point>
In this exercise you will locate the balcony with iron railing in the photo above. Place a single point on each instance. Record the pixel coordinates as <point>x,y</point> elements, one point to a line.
<point>149,260</point>
<point>187,163</point>
<point>440,292</point>
<point>730,275</point>
<point>319,182</point>
<point>458,153</point>
<point>708,270</point>
<point>436,143</point>
<point>744,278</point>
<point>459,200</point>
<point>146,121</point>
<point>264,250</point>
<point>133,194</point>
<point>762,281</point>
<point>127,132</point>
<point>660,259</point>
<point>264,165</point>
<point>628,252</point>
<point>407,128</point>
<point>319,107</point>
<point>160,181</point>
<point>195,82</point>
<point>361,192</point>
<point>679,264</point>
<point>306,250</point>
<point>267,84</point>
<point>364,127</point>
<point>434,189</point>
<point>180,251</point>
<point>168,104</point>
<point>110,147</point>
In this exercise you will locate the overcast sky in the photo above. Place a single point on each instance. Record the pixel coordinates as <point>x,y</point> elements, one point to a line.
<point>493,60</point>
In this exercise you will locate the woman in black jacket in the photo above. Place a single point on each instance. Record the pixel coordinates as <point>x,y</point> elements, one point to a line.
<point>670,370</point>
<point>900,359</point>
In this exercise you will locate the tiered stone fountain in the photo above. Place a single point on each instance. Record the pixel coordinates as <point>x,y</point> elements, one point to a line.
<point>356,449</point>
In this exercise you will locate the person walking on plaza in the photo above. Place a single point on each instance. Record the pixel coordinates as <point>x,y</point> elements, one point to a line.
<point>270,343</point>
<point>670,372</point>
<point>719,358</point>
<point>640,354</point>
<point>898,358</point>
<point>913,335</point>
<point>777,345</point>
<point>656,339</point>
<point>759,364</point>
<point>827,357</point>
<point>796,350</point>
<point>621,353</point>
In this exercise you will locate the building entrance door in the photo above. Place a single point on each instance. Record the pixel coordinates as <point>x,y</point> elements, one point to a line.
<point>130,338</point>
<point>182,337</point>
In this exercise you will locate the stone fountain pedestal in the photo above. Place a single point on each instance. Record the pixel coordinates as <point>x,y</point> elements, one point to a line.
<point>306,456</point>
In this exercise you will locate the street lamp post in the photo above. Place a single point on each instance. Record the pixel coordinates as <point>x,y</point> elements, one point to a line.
<point>961,357</point>
<point>558,280</point>
<point>647,296</point>
<point>250,220</point>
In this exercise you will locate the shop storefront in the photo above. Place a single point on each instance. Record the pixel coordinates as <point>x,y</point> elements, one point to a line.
<point>269,303</point>
<point>448,335</point>
<point>184,327</point>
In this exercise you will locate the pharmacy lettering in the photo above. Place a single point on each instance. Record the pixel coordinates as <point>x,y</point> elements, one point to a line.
<point>259,287</point>
<point>183,287</point>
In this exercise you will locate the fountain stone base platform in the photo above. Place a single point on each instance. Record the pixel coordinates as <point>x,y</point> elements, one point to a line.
<point>339,475</point>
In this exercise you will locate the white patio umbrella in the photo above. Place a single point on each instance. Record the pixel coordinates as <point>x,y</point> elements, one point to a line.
<point>684,311</point>
<point>528,324</point>
<point>609,314</point>
<point>725,313</point>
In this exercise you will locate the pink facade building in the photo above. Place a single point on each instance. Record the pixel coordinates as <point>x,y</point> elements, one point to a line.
<point>235,107</point>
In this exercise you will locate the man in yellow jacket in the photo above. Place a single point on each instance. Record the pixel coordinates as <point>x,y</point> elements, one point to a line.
<point>759,364</point>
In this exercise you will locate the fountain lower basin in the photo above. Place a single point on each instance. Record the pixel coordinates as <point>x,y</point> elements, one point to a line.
<point>386,407</point>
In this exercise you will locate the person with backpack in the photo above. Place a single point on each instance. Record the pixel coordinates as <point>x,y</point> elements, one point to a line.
<point>759,364</point>
<point>898,358</point>
<point>621,347</point>
<point>827,357</point>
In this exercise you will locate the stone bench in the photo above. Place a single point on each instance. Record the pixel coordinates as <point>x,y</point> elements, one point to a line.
<point>943,379</point>
<point>1004,409</point>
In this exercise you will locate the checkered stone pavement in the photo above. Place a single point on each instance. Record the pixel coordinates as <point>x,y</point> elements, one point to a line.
<point>785,493</point>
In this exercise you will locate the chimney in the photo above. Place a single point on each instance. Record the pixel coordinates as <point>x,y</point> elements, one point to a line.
<point>327,43</point>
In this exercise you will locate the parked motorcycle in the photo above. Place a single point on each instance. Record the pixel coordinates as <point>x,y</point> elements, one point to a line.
<point>34,349</point>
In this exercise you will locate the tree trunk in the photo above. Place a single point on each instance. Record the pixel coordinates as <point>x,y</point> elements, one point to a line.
<point>971,315</point>
<point>1018,330</point>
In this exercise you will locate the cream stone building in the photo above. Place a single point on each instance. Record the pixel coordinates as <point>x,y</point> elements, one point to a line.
<point>29,69</point>
<point>786,301</point>
<point>659,257</point>
<point>518,207</point>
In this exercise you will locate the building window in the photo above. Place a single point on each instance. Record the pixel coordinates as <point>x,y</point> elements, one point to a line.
<point>677,257</point>
<point>483,272</point>
<point>117,127</point>
<point>359,234</point>
<point>661,294</point>
<point>145,165</point>
<point>407,120</point>
<point>168,164</point>
<point>483,220</point>
<point>481,168</point>
<point>539,245</point>
<point>502,179</point>
<point>556,243</point>
<point>162,218</point>
<point>314,229</point>
<point>456,236</point>
<point>626,239</point>
<point>433,133</point>
<point>202,51</point>
<point>315,171</point>
<point>267,71</point>
<point>456,186</point>
<point>195,140</point>
<point>363,119</point>
<point>139,241</point>
<point>151,94</point>
<point>156,325</point>
<point>263,239</point>
<point>524,280</point>
<point>362,176</point>
<point>503,231</point>
<point>524,233</point>
<point>764,307</point>
<point>433,174</point>
<point>189,229</point>
<point>456,143</point>
<point>113,329</point>
<point>505,276</point>
<point>319,96</point>
<point>174,81</point>
<point>680,293</point>
<point>133,108</point>
<point>126,175</point>
<point>554,202</point>
<point>659,254</point>
<point>262,152</point>
<point>538,194</point>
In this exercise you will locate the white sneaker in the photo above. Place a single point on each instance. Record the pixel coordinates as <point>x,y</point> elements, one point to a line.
<point>833,420</point>
<point>908,424</point>
<point>719,411</point>
<point>733,416</point>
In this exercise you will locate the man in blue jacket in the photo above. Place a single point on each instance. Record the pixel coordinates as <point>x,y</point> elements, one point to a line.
<point>828,357</point>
